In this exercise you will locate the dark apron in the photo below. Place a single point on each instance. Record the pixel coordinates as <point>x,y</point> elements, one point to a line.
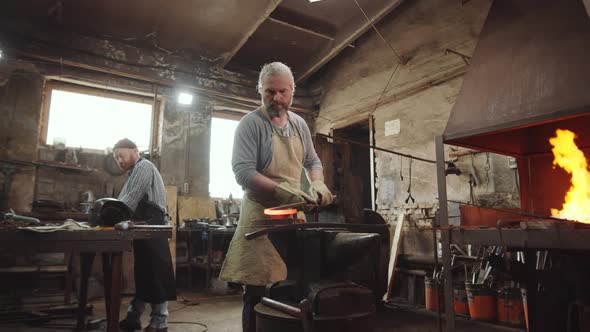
<point>154,274</point>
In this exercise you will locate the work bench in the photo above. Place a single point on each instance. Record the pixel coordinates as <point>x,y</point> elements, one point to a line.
<point>87,243</point>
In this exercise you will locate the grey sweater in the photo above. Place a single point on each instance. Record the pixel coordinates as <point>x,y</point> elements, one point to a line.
<point>252,150</point>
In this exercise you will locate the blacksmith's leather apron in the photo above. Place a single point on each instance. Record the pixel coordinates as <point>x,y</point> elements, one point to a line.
<point>154,274</point>
<point>256,261</point>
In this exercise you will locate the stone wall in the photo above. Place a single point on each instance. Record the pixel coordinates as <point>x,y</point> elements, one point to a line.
<point>183,148</point>
<point>418,100</point>
<point>20,108</point>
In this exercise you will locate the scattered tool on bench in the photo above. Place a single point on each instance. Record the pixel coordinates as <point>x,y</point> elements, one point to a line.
<point>128,224</point>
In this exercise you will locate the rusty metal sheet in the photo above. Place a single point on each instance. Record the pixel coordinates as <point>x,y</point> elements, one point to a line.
<point>480,216</point>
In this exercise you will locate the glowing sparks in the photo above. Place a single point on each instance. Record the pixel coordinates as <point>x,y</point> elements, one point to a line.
<point>568,156</point>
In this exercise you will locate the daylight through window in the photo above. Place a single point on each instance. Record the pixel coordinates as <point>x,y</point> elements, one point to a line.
<point>222,181</point>
<point>96,122</point>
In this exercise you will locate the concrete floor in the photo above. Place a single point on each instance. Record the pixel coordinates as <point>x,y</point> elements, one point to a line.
<point>223,313</point>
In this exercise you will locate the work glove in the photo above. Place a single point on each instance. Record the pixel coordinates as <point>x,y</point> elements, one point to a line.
<point>284,195</point>
<point>321,193</point>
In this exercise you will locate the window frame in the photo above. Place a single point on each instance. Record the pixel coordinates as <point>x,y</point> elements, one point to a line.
<point>50,85</point>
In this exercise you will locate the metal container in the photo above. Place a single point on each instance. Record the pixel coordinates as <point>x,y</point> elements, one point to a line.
<point>510,307</point>
<point>481,301</point>
<point>460,301</point>
<point>433,292</point>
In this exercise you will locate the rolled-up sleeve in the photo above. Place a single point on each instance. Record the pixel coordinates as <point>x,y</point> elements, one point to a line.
<point>244,154</point>
<point>136,186</point>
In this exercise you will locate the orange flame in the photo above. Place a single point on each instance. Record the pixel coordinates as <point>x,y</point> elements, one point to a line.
<point>569,157</point>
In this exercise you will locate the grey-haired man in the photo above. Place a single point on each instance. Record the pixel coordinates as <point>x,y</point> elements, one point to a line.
<point>272,146</point>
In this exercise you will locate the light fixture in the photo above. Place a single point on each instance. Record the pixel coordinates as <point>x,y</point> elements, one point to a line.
<point>0,54</point>
<point>312,1</point>
<point>185,98</point>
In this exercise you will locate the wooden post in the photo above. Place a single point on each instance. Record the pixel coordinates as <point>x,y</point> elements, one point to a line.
<point>397,240</point>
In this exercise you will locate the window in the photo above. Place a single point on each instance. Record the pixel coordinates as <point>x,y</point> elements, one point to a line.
<point>94,119</point>
<point>222,181</point>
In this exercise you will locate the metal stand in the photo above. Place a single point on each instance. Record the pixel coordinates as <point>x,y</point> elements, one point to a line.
<point>445,236</point>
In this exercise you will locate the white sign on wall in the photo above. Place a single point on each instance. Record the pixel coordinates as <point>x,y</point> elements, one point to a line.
<point>392,127</point>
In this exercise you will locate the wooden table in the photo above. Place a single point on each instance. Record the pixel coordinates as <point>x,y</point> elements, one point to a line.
<point>87,243</point>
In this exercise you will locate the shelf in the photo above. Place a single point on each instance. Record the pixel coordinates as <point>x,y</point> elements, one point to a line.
<point>573,239</point>
<point>50,164</point>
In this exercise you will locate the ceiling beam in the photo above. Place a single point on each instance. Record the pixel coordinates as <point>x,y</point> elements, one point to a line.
<point>263,16</point>
<point>302,29</point>
<point>352,30</point>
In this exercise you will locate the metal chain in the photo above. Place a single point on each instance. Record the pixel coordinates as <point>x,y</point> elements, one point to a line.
<point>410,197</point>
<point>401,165</point>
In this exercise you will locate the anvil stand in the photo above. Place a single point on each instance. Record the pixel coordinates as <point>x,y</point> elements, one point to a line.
<point>307,301</point>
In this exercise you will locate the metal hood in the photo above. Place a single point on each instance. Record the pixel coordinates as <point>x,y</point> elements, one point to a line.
<point>530,74</point>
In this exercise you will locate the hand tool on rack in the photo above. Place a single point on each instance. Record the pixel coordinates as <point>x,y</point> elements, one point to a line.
<point>410,197</point>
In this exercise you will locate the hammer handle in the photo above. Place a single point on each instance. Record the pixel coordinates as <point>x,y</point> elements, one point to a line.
<point>288,309</point>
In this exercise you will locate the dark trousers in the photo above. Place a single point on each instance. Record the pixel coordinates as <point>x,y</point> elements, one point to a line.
<point>252,296</point>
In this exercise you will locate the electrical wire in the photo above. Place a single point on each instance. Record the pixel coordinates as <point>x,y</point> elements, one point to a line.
<point>188,303</point>
<point>192,323</point>
<point>384,89</point>
<point>399,59</point>
<point>353,105</point>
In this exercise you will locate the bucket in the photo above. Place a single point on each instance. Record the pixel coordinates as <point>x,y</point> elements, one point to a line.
<point>460,301</point>
<point>431,294</point>
<point>481,301</point>
<point>510,307</point>
<point>526,307</point>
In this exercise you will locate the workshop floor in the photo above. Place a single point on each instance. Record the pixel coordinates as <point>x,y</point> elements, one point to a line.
<point>223,313</point>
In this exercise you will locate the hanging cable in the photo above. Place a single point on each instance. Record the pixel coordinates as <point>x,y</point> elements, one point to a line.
<point>399,59</point>
<point>384,89</point>
<point>397,56</point>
